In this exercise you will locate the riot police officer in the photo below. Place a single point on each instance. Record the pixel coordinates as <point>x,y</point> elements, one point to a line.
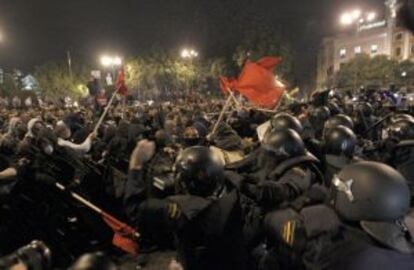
<point>368,227</point>
<point>339,148</point>
<point>285,170</point>
<point>205,215</point>
<point>401,149</point>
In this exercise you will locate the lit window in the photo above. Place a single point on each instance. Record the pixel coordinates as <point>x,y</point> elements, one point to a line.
<point>374,48</point>
<point>342,53</point>
<point>398,52</point>
<point>358,49</point>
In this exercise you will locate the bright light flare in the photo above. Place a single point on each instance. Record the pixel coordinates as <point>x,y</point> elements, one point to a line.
<point>346,19</point>
<point>371,16</point>
<point>108,61</point>
<point>185,53</point>
<point>117,61</point>
<point>356,14</point>
<point>189,53</point>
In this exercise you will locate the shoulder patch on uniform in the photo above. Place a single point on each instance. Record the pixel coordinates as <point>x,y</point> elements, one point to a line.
<point>174,211</point>
<point>288,232</point>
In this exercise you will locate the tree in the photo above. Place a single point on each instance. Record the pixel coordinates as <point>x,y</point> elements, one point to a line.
<point>9,86</point>
<point>55,81</point>
<point>364,71</point>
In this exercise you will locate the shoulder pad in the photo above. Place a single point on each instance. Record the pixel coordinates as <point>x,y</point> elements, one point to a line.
<point>283,225</point>
<point>319,219</point>
<point>190,206</point>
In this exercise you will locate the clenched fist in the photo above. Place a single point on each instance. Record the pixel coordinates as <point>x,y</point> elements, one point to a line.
<point>142,153</point>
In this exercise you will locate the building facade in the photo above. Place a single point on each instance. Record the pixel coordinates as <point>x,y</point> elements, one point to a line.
<point>383,37</point>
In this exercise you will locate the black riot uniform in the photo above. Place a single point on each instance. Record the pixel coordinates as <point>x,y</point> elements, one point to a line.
<point>339,148</point>
<point>159,175</point>
<point>38,210</point>
<point>205,215</point>
<point>281,170</point>
<point>401,154</point>
<point>368,227</point>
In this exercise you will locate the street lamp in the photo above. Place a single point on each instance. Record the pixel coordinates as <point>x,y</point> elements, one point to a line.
<point>111,62</point>
<point>356,16</point>
<point>371,16</point>
<point>108,61</point>
<point>189,53</point>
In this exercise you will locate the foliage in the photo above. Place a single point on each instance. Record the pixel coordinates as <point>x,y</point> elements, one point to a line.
<point>9,86</point>
<point>55,81</point>
<point>160,73</point>
<point>379,70</point>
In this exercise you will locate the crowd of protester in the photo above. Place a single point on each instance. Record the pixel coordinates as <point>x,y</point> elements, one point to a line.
<point>326,184</point>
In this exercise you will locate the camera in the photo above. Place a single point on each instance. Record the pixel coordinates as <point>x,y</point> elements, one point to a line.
<point>34,256</point>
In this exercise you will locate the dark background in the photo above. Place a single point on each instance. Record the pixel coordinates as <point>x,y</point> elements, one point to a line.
<point>36,31</point>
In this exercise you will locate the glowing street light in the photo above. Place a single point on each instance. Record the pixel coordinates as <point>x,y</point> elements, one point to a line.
<point>117,61</point>
<point>110,61</point>
<point>346,19</point>
<point>371,16</point>
<point>189,53</point>
<point>356,16</point>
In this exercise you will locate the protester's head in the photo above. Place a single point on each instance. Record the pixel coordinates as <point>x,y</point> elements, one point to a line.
<point>34,126</point>
<point>62,130</point>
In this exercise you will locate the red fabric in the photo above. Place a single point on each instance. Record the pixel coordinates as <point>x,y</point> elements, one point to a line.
<point>257,83</point>
<point>124,236</point>
<point>269,62</point>
<point>120,83</point>
<point>227,84</point>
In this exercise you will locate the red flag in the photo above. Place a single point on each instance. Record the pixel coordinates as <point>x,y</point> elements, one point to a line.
<point>120,83</point>
<point>227,84</point>
<point>124,236</point>
<point>257,83</point>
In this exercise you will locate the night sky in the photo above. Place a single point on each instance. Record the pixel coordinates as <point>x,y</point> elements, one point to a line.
<point>36,31</point>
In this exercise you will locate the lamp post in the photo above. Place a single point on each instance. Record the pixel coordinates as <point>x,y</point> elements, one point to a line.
<point>356,17</point>
<point>111,62</point>
<point>189,54</point>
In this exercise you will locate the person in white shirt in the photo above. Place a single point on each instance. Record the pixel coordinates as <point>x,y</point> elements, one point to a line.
<point>63,133</point>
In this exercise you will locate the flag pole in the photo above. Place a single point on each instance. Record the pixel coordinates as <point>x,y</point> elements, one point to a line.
<point>91,206</point>
<point>95,130</point>
<point>223,112</point>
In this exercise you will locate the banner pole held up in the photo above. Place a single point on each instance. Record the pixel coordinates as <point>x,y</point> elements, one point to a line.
<point>223,112</point>
<point>95,130</point>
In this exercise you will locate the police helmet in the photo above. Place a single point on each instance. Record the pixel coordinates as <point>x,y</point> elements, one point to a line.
<point>199,172</point>
<point>284,121</point>
<point>402,130</point>
<point>365,109</point>
<point>338,120</point>
<point>283,143</point>
<point>370,191</point>
<point>340,141</point>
